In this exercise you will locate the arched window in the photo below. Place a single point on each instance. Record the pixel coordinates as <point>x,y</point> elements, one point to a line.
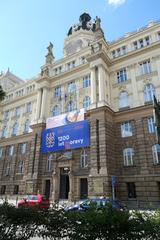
<point>86,101</point>
<point>156,153</point>
<point>71,106</point>
<point>149,92</point>
<point>26,126</point>
<point>128,156</point>
<point>56,110</point>
<point>123,100</point>
<point>15,129</point>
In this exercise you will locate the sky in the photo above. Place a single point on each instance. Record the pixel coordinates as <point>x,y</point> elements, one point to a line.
<point>27,27</point>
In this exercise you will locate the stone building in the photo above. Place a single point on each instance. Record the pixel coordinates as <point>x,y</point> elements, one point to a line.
<point>115,83</point>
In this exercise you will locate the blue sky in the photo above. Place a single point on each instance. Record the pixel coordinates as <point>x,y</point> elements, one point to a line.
<point>27,26</point>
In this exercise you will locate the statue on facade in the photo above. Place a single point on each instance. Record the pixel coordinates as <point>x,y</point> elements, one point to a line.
<point>50,56</point>
<point>98,23</point>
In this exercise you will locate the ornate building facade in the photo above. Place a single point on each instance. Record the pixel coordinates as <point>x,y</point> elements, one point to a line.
<point>115,83</point>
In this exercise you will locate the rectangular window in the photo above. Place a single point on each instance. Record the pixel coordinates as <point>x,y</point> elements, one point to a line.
<point>16,189</point>
<point>3,189</point>
<point>11,150</point>
<point>7,169</point>
<point>147,40</point>
<point>121,75</point>
<point>71,87</point>
<point>23,148</point>
<point>113,53</point>
<point>141,44</point>
<point>145,67</point>
<point>126,129</point>
<point>6,115</point>
<point>84,159</point>
<point>82,60</point>
<point>118,52</point>
<point>17,113</point>
<point>135,45</point>
<point>29,107</point>
<point>1,152</point>
<point>131,188</point>
<point>151,125</point>
<point>128,156</point>
<point>158,35</point>
<point>86,81</point>
<point>57,92</point>
<point>124,50</point>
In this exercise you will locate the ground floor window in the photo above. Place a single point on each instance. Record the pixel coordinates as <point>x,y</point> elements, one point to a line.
<point>131,188</point>
<point>3,189</point>
<point>16,189</point>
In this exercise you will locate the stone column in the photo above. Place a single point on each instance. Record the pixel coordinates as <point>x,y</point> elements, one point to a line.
<point>43,105</point>
<point>101,82</point>
<point>38,108</point>
<point>93,87</point>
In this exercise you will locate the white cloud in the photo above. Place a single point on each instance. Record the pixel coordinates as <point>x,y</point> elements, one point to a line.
<point>116,2</point>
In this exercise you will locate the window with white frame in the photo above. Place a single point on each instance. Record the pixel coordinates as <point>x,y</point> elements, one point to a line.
<point>141,43</point>
<point>118,52</point>
<point>57,92</point>
<point>4,132</point>
<point>86,102</point>
<point>124,50</point>
<point>6,115</point>
<point>23,147</point>
<point>1,152</point>
<point>149,92</point>
<point>126,129</point>
<point>121,75</point>
<point>156,153</point>
<point>123,100</point>
<point>26,126</point>
<point>18,111</point>
<point>84,159</point>
<point>135,45</point>
<point>20,168</point>
<point>145,67</point>
<point>49,167</point>
<point>11,150</point>
<point>29,107</point>
<point>151,125</point>
<point>15,129</point>
<point>8,169</point>
<point>56,110</point>
<point>113,53</point>
<point>86,81</point>
<point>71,106</point>
<point>128,156</point>
<point>71,87</point>
<point>147,40</point>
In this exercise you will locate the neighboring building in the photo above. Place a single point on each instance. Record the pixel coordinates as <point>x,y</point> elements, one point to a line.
<point>115,83</point>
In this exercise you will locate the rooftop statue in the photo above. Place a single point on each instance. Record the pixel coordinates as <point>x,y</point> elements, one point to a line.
<point>50,56</point>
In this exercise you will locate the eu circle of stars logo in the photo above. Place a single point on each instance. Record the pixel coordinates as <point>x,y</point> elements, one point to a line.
<point>50,139</point>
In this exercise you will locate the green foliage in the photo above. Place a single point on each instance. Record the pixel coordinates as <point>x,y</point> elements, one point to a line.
<point>106,224</point>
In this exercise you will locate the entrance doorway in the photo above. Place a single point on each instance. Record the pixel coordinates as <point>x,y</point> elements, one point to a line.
<point>83,188</point>
<point>47,188</point>
<point>64,183</point>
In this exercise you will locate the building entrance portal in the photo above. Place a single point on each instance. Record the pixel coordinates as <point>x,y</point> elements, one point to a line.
<point>64,183</point>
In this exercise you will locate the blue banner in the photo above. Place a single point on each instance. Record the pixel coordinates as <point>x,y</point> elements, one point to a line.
<point>75,135</point>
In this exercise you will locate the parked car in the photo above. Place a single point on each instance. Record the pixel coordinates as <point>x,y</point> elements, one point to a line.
<point>35,200</point>
<point>99,203</point>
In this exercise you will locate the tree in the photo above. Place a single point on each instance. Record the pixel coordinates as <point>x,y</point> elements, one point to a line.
<point>2,94</point>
